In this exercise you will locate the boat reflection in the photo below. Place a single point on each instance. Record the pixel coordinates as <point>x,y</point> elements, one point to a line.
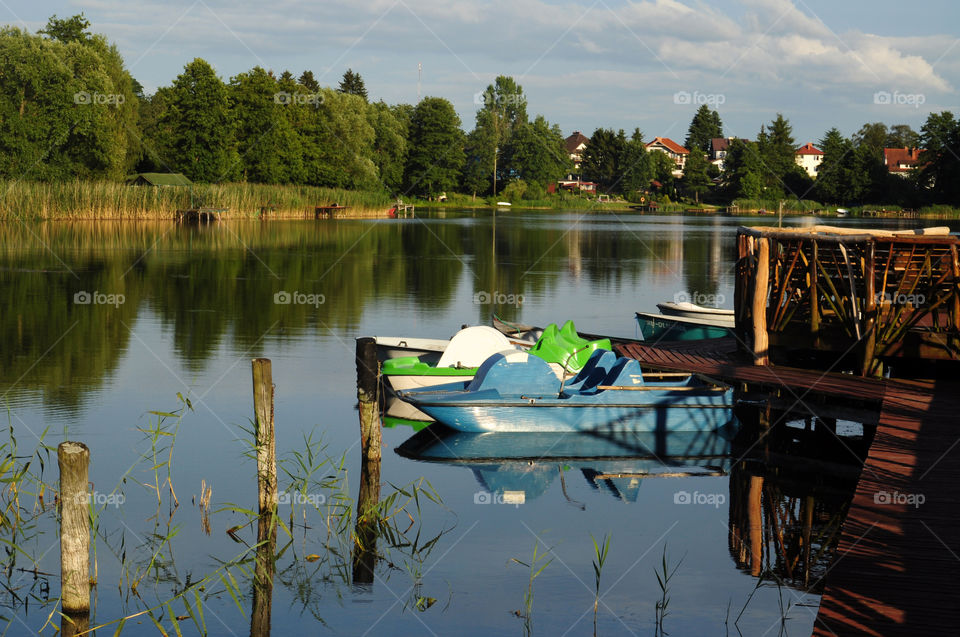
<point>520,466</point>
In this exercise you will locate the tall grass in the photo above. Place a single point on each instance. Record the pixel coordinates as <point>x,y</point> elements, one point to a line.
<point>81,199</point>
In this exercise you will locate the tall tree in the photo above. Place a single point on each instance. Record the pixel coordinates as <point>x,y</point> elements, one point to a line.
<point>435,155</point>
<point>502,108</point>
<point>603,158</point>
<point>389,145</point>
<point>833,177</point>
<point>902,136</point>
<point>536,152</point>
<point>743,169</point>
<point>635,166</point>
<point>940,172</point>
<point>269,147</point>
<point>873,137</point>
<point>778,157</point>
<point>705,126</point>
<point>201,124</point>
<point>695,178</point>
<point>73,29</point>
<point>307,80</point>
<point>352,84</point>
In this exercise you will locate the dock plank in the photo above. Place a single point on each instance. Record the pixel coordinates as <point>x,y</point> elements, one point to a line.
<point>897,557</point>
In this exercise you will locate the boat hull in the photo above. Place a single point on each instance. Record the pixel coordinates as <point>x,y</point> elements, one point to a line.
<point>601,419</point>
<point>655,327</point>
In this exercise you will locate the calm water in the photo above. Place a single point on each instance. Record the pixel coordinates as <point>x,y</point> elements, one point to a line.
<point>183,309</point>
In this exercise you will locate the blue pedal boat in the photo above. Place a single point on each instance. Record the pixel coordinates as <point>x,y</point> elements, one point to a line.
<point>515,391</point>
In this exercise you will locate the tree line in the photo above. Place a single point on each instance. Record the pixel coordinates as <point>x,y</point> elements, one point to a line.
<point>70,109</point>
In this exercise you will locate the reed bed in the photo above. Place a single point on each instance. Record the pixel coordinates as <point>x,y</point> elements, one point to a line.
<point>81,199</point>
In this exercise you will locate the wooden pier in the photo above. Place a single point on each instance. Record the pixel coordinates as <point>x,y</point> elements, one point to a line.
<point>203,214</point>
<point>858,298</point>
<point>900,544</point>
<point>328,212</point>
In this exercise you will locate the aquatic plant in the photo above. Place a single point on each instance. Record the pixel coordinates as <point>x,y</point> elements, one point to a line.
<point>536,567</point>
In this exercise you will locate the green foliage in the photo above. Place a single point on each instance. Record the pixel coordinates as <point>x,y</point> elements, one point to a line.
<point>73,29</point>
<point>436,152</point>
<point>603,158</point>
<point>389,145</point>
<point>201,127</point>
<point>536,152</point>
<point>940,174</point>
<point>705,126</point>
<point>695,179</point>
<point>268,145</point>
<point>636,165</point>
<point>352,84</point>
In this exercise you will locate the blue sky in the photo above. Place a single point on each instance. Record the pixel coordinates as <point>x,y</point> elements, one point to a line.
<point>645,64</point>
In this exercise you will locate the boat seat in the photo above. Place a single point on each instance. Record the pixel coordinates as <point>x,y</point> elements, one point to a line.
<point>597,367</point>
<point>515,372</point>
<point>626,373</point>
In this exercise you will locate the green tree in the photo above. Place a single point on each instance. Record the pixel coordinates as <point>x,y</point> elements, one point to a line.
<point>73,29</point>
<point>503,108</point>
<point>635,166</point>
<point>833,176</point>
<point>202,128</point>
<point>536,152</point>
<point>940,172</point>
<point>873,137</point>
<point>902,136</point>
<point>743,170</point>
<point>352,84</point>
<point>695,178</point>
<point>603,158</point>
<point>777,150</point>
<point>435,156</point>
<point>339,141</point>
<point>268,145</point>
<point>307,80</point>
<point>389,145</point>
<point>705,126</point>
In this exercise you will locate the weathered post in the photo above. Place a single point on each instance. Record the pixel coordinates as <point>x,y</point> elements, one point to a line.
<point>814,294</point>
<point>761,280</point>
<point>73,459</point>
<point>267,492</point>
<point>870,312</point>
<point>266,445</point>
<point>755,521</point>
<point>368,379</point>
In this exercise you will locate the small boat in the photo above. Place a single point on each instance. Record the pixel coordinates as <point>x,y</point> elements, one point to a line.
<point>561,348</point>
<point>428,349</point>
<point>660,327</point>
<point>504,204</point>
<point>842,212</point>
<point>692,310</point>
<point>516,391</point>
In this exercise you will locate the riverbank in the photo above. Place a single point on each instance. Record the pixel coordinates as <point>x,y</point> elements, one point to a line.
<point>82,199</point>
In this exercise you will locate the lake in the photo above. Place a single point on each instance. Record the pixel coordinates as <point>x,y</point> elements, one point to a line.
<point>104,324</point>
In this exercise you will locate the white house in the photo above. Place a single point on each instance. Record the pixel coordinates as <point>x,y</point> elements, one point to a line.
<point>809,158</point>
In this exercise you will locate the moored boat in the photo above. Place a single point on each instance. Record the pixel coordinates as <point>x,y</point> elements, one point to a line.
<point>692,310</point>
<point>516,391</point>
<point>659,327</point>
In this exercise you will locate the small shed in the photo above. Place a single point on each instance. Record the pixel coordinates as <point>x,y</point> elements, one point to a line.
<point>158,179</point>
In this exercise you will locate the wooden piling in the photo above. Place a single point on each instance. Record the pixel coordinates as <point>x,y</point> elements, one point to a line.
<point>266,445</point>
<point>73,459</point>
<point>761,281</point>
<point>755,522</point>
<point>264,568</point>
<point>368,379</point>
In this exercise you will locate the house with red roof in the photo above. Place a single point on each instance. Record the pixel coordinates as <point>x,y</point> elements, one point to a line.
<point>575,145</point>
<point>675,151</point>
<point>809,157</point>
<point>900,161</point>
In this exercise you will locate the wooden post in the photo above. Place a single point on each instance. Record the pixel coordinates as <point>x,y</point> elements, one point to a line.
<point>267,496</point>
<point>73,459</point>
<point>368,379</point>
<point>814,294</point>
<point>755,520</point>
<point>761,280</point>
<point>870,309</point>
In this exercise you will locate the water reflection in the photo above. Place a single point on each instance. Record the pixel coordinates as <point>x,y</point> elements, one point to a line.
<point>214,284</point>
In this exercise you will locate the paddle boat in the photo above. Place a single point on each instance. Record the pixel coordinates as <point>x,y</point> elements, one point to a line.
<point>517,391</point>
<point>692,310</point>
<point>561,348</point>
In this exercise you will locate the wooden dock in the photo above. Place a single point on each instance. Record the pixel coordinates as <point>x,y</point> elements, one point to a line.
<point>900,543</point>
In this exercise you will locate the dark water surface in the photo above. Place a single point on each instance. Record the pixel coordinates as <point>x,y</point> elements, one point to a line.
<point>104,323</point>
